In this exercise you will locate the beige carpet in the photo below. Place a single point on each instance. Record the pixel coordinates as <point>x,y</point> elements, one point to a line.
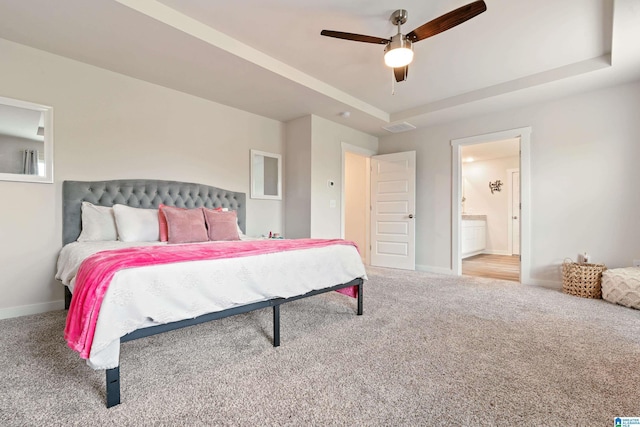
<point>430,350</point>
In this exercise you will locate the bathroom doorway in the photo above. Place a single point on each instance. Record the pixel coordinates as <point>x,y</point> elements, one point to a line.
<point>499,186</point>
<point>490,209</point>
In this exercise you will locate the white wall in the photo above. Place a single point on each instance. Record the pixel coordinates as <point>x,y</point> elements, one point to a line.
<point>480,200</point>
<point>326,155</point>
<point>109,126</point>
<point>584,168</point>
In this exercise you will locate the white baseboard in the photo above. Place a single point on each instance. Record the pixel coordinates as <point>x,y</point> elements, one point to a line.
<point>496,252</point>
<point>549,284</point>
<point>25,310</point>
<point>437,270</point>
<point>470,254</point>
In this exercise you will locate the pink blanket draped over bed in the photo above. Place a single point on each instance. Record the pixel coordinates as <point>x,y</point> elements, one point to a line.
<point>95,274</point>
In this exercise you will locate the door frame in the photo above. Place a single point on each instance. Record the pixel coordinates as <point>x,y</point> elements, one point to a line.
<point>524,134</point>
<point>361,151</point>
<point>509,187</point>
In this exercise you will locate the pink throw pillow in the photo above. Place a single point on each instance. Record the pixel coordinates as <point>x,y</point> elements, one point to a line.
<point>221,225</point>
<point>162,220</point>
<point>184,225</point>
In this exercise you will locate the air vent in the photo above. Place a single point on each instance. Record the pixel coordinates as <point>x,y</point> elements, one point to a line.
<point>399,127</point>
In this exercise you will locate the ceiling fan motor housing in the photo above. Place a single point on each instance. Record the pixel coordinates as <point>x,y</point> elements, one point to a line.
<point>399,41</point>
<point>399,50</point>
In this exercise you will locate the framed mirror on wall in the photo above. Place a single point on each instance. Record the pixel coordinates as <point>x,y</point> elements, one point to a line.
<point>26,141</point>
<point>266,175</point>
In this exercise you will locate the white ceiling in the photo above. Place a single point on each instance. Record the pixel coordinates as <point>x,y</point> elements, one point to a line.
<point>267,56</point>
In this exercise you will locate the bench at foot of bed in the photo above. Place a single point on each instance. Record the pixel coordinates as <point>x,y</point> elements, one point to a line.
<point>113,375</point>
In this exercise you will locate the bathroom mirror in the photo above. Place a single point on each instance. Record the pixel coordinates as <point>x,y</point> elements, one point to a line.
<point>26,141</point>
<point>266,175</point>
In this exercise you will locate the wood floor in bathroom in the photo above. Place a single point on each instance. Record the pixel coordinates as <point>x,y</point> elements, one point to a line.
<point>505,267</point>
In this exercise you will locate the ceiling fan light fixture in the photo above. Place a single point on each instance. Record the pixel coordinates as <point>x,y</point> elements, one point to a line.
<point>399,52</point>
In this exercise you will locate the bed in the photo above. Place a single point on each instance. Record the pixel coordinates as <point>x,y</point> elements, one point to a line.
<point>267,274</point>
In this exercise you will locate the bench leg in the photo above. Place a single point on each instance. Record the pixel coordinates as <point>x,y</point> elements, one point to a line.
<point>360,298</point>
<point>113,387</point>
<point>276,325</point>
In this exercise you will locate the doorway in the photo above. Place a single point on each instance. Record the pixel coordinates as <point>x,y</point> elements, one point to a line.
<point>356,197</point>
<point>489,171</point>
<point>490,205</point>
<point>378,205</point>
<point>357,201</point>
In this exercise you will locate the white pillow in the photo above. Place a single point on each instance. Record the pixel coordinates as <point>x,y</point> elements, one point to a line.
<point>137,225</point>
<point>98,223</point>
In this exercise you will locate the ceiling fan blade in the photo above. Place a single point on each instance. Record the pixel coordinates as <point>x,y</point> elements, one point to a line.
<point>401,73</point>
<point>447,21</point>
<point>354,37</point>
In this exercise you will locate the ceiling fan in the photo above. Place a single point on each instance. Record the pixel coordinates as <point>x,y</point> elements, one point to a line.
<point>399,48</point>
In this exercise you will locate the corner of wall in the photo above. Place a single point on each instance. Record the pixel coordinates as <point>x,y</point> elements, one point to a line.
<point>297,178</point>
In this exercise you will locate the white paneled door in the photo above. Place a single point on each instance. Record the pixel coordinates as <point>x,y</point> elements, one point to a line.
<point>393,200</point>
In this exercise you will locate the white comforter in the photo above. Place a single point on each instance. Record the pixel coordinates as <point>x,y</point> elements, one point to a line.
<point>146,296</point>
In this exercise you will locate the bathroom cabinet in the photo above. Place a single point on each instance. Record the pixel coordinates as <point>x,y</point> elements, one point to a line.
<point>474,235</point>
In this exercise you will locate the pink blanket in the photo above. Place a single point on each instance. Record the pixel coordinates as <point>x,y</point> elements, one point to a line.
<point>95,274</point>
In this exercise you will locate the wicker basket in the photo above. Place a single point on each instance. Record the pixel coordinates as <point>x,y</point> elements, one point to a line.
<point>582,279</point>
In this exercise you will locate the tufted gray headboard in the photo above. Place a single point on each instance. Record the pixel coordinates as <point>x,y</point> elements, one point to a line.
<point>143,193</point>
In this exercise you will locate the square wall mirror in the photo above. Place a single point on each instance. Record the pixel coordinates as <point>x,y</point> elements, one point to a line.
<point>26,141</point>
<point>266,175</point>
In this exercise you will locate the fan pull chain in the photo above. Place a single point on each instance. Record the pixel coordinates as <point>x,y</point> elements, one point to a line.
<point>393,83</point>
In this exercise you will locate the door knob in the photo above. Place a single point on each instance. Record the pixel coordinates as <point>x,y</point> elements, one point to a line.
<point>410,216</point>
<point>515,217</point>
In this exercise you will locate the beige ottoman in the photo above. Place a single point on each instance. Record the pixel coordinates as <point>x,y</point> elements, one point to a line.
<point>622,286</point>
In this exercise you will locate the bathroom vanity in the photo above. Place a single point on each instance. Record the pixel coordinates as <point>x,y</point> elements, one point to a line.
<point>474,235</point>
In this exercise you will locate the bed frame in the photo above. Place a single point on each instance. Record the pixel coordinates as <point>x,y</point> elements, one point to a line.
<point>146,193</point>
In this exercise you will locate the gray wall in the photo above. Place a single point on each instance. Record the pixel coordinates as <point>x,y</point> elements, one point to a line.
<point>314,157</point>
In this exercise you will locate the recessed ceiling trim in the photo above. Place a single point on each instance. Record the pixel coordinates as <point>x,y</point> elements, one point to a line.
<point>541,78</point>
<point>188,25</point>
